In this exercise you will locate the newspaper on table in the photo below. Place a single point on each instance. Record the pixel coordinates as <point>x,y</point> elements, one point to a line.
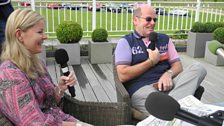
<point>190,104</point>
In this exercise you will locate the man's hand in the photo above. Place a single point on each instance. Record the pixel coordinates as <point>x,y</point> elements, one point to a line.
<point>165,82</point>
<point>154,55</point>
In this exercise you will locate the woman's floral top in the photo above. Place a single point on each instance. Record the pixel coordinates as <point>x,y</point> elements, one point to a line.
<point>28,102</point>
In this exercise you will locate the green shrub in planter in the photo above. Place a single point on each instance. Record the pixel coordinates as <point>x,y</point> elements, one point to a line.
<point>69,32</point>
<point>219,24</point>
<point>180,34</point>
<point>99,35</point>
<point>218,34</point>
<point>198,27</point>
<point>210,27</point>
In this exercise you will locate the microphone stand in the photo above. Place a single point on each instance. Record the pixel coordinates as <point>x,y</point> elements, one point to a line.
<point>217,117</point>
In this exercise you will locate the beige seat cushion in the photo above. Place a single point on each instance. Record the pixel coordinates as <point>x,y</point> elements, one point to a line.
<point>138,114</point>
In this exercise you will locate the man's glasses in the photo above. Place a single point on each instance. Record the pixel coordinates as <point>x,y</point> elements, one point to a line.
<point>148,19</point>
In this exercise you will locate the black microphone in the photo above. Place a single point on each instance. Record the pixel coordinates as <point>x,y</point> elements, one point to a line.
<point>153,39</point>
<point>164,107</point>
<point>61,57</point>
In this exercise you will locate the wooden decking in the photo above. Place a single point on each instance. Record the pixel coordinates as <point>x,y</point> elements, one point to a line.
<point>96,83</point>
<point>213,82</point>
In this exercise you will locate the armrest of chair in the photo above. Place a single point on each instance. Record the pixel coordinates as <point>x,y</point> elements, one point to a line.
<point>122,94</point>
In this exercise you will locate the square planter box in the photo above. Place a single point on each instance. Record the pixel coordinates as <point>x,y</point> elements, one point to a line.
<point>114,44</point>
<point>196,43</point>
<point>212,58</point>
<point>73,51</point>
<point>100,52</point>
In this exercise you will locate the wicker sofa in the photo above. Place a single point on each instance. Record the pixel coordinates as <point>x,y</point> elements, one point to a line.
<point>96,113</point>
<point>102,113</point>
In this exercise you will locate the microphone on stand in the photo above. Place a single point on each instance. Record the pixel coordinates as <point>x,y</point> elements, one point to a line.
<point>216,48</point>
<point>164,107</point>
<point>61,57</point>
<point>153,39</point>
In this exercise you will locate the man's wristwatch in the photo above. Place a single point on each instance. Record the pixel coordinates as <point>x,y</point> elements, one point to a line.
<point>170,72</point>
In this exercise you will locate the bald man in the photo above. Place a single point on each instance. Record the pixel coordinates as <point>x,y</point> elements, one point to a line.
<point>143,71</point>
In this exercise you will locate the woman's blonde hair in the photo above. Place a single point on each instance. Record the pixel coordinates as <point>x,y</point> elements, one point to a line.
<point>14,50</point>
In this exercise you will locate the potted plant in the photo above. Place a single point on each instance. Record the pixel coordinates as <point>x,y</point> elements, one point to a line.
<point>197,38</point>
<point>100,49</point>
<point>69,34</point>
<point>211,46</point>
<point>218,34</point>
<point>179,40</point>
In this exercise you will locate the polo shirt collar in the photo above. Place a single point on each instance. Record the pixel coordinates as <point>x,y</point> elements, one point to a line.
<point>137,35</point>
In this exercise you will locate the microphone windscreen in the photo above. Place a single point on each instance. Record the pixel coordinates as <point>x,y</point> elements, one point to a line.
<point>213,46</point>
<point>162,106</point>
<point>61,56</point>
<point>152,36</point>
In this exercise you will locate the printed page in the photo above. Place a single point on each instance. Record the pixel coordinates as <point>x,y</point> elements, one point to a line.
<point>190,104</point>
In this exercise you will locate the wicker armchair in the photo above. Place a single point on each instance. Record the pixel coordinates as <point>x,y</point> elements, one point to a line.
<point>123,95</point>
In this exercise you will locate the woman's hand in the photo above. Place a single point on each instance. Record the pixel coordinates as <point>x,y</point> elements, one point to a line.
<point>65,81</point>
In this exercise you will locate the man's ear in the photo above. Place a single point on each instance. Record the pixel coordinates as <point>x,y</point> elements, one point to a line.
<point>135,19</point>
<point>19,34</point>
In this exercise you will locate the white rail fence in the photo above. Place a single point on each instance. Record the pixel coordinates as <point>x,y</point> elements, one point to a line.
<point>116,16</point>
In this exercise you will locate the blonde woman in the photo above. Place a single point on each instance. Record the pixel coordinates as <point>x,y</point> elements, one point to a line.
<point>27,93</point>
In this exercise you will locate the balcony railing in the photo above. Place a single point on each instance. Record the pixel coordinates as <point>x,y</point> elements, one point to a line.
<point>116,16</point>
